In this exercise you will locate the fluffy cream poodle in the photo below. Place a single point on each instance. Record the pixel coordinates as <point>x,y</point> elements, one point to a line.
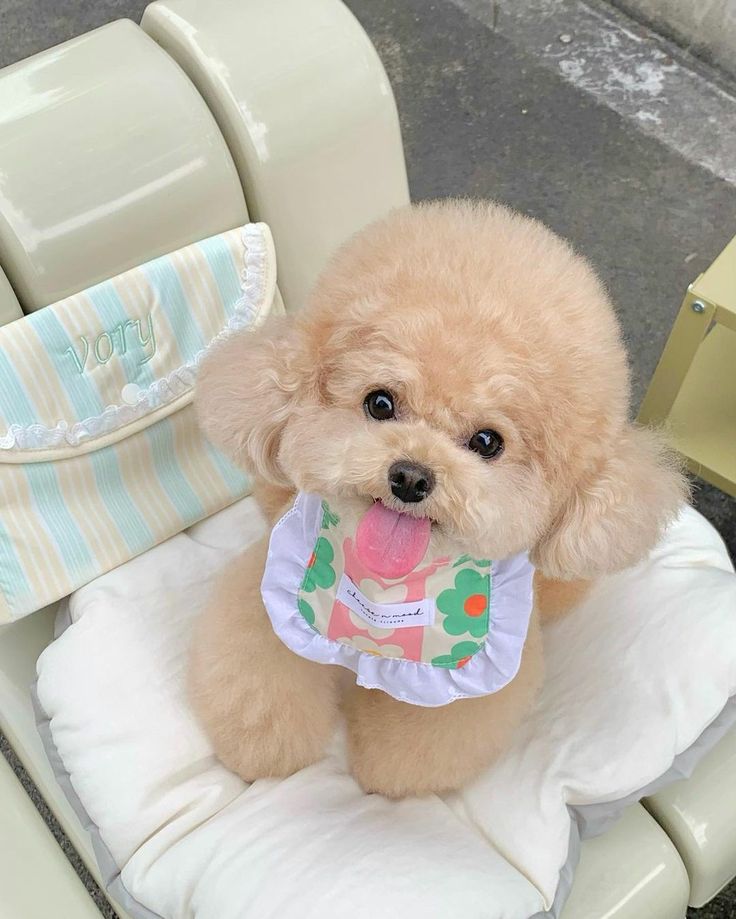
<point>476,350</point>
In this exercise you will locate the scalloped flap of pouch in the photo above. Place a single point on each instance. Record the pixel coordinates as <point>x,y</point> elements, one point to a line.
<point>100,454</point>
<point>78,374</point>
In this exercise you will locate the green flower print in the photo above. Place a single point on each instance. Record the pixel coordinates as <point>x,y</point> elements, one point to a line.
<point>458,656</point>
<point>306,610</point>
<point>478,562</point>
<point>320,572</point>
<point>466,606</point>
<point>329,519</point>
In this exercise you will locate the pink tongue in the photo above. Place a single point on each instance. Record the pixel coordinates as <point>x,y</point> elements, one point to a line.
<point>391,544</point>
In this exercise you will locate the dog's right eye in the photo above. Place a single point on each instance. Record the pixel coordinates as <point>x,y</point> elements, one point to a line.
<point>486,443</point>
<point>380,405</point>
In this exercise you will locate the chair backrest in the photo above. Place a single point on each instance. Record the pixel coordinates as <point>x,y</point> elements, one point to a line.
<point>308,114</point>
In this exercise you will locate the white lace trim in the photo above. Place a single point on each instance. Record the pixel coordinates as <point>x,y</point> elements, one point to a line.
<point>177,383</point>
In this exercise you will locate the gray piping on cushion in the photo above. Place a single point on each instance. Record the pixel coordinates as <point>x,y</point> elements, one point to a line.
<point>108,868</point>
<point>588,820</point>
<point>63,618</point>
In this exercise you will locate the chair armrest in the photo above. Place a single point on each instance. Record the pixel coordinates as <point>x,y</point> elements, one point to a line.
<point>699,816</point>
<point>36,879</point>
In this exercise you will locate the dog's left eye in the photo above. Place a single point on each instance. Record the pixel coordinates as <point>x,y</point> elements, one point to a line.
<point>486,443</point>
<point>380,405</point>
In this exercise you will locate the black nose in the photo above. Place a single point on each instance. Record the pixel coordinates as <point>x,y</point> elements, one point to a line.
<point>410,482</point>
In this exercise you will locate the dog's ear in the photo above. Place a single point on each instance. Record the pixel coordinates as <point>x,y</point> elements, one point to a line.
<point>616,515</point>
<point>245,392</point>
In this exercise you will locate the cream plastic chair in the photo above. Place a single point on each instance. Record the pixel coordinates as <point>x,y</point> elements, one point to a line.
<point>133,141</point>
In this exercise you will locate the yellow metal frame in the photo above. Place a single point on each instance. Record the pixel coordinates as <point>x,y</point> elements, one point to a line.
<point>693,390</point>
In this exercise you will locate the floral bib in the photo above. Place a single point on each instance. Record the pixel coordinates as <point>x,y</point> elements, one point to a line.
<point>451,628</point>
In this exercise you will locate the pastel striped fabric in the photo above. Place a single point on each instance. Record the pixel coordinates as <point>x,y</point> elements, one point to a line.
<point>100,454</point>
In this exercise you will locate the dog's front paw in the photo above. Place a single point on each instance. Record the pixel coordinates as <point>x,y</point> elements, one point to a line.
<point>388,777</point>
<point>401,750</point>
<point>271,751</point>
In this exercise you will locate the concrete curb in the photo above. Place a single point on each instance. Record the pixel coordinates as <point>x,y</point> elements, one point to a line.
<point>706,28</point>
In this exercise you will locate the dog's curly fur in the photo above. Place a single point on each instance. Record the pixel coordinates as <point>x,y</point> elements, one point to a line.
<point>473,317</point>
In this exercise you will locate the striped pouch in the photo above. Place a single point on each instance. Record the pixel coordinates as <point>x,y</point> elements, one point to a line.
<point>100,454</point>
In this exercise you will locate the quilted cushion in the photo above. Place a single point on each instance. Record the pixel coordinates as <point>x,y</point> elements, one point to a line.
<point>643,669</point>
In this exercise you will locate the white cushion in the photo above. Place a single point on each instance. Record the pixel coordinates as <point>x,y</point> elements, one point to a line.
<point>635,676</point>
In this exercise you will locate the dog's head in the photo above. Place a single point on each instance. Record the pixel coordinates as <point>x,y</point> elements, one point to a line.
<point>458,362</point>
